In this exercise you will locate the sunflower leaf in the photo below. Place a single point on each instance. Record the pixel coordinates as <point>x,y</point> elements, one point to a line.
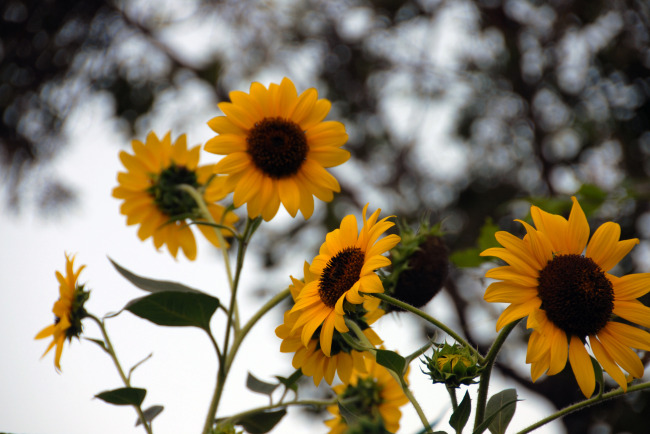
<point>261,422</point>
<point>392,361</point>
<point>150,414</point>
<point>351,419</point>
<point>292,381</point>
<point>98,342</point>
<point>256,385</point>
<point>459,418</point>
<point>123,396</point>
<point>175,309</point>
<point>151,285</point>
<point>500,410</point>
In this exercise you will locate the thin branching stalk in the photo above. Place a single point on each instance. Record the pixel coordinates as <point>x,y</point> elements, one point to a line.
<point>584,404</point>
<point>484,380</point>
<point>126,380</point>
<point>430,319</point>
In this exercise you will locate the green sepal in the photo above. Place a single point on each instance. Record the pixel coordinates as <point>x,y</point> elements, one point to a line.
<point>123,396</point>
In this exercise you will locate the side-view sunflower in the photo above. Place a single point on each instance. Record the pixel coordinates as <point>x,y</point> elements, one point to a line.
<point>374,396</point>
<point>68,311</point>
<point>311,359</point>
<point>276,148</point>
<point>570,298</point>
<point>152,199</point>
<point>343,270</point>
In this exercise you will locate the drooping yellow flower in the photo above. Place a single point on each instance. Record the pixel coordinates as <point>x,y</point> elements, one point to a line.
<point>344,268</point>
<point>311,359</point>
<point>570,298</point>
<point>276,148</point>
<point>374,396</point>
<point>68,311</point>
<point>152,199</point>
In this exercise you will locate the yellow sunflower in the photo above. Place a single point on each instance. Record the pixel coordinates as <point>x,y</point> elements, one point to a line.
<point>570,298</point>
<point>343,270</point>
<point>68,311</point>
<point>276,148</point>
<point>311,359</point>
<point>374,396</point>
<point>149,189</point>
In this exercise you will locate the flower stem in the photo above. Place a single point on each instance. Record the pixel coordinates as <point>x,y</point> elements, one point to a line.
<point>232,322</point>
<point>111,351</point>
<point>429,318</point>
<point>484,381</point>
<point>277,299</point>
<point>584,404</point>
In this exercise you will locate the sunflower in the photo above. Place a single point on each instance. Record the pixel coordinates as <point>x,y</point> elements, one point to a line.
<point>68,311</point>
<point>152,199</point>
<point>343,270</point>
<point>311,359</point>
<point>276,149</point>
<point>374,396</point>
<point>570,298</point>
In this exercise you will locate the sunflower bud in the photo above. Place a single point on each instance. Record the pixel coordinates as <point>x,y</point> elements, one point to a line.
<point>452,365</point>
<point>420,266</point>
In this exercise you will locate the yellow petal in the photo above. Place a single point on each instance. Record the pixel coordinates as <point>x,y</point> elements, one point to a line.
<point>631,286</point>
<point>581,366</point>
<point>607,362</point>
<point>602,245</point>
<point>633,311</point>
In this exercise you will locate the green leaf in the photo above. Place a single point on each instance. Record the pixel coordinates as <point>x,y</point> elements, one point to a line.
<point>460,417</point>
<point>392,361</point>
<point>179,309</point>
<point>261,422</point>
<point>259,386</point>
<point>502,405</point>
<point>292,381</point>
<point>123,396</point>
<point>98,342</point>
<point>151,285</point>
<point>150,414</point>
<point>350,417</point>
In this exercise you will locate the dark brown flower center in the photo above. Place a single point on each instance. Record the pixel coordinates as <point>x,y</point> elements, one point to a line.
<point>341,272</point>
<point>278,147</point>
<point>576,294</point>
<point>171,201</point>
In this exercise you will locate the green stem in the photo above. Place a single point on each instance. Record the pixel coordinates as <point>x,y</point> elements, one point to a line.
<point>417,353</point>
<point>453,398</point>
<point>277,299</point>
<point>429,318</point>
<point>398,376</point>
<point>484,381</point>
<point>584,404</point>
<point>125,379</point>
<point>232,322</point>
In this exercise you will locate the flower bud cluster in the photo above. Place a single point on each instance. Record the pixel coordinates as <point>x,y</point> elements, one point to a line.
<point>452,365</point>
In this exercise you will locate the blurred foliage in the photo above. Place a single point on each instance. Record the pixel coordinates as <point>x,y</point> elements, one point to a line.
<point>466,109</point>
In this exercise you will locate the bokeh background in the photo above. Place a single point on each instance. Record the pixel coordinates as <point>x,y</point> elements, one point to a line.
<point>462,111</point>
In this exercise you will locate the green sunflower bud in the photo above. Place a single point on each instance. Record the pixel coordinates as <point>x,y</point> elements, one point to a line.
<point>452,365</point>
<point>420,266</point>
